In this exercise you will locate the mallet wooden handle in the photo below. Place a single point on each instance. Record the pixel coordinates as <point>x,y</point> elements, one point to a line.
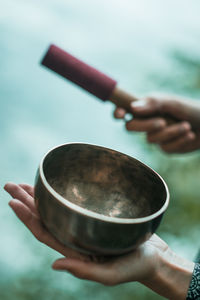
<point>121,98</point>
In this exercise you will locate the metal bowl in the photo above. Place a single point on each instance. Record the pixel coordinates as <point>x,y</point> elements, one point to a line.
<point>97,200</point>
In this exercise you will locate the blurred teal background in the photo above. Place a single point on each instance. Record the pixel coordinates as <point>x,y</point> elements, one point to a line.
<point>147,45</point>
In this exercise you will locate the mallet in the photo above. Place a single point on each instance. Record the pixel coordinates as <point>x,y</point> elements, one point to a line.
<point>87,77</point>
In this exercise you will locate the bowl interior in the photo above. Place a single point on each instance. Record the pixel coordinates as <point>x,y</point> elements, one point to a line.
<point>104,181</point>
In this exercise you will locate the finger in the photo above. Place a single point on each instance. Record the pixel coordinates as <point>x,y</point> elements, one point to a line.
<point>145,107</point>
<point>178,146</point>
<point>192,145</point>
<point>146,125</point>
<point>119,113</point>
<point>34,224</point>
<point>21,210</point>
<point>29,189</point>
<point>87,270</point>
<point>19,193</point>
<point>169,133</point>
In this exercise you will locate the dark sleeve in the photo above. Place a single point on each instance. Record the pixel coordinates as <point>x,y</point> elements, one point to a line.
<point>194,288</point>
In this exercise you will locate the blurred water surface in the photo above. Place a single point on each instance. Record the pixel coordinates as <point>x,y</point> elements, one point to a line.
<point>147,45</point>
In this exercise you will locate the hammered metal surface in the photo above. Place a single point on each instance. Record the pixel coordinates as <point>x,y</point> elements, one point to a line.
<point>103,181</point>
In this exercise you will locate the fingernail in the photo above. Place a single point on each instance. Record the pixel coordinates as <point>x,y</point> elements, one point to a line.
<point>58,264</point>
<point>61,269</point>
<point>191,136</point>
<point>5,186</point>
<point>128,117</point>
<point>13,201</point>
<point>120,112</point>
<point>159,124</point>
<point>185,126</point>
<point>55,267</point>
<point>138,104</point>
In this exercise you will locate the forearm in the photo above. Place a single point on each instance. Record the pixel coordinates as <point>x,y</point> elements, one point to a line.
<point>172,277</point>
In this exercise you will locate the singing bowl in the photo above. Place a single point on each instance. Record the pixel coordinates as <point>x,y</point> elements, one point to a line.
<point>97,200</point>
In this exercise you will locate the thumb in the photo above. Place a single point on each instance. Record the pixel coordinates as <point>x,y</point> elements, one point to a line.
<point>176,107</point>
<point>145,107</point>
<point>87,270</point>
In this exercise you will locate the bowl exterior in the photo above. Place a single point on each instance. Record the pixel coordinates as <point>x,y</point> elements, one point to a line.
<point>86,234</point>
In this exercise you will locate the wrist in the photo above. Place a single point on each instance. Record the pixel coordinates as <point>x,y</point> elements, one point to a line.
<point>172,276</point>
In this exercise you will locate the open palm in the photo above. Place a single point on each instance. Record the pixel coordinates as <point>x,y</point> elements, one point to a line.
<point>134,266</point>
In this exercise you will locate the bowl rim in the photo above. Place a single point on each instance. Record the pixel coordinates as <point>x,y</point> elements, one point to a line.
<point>88,213</point>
